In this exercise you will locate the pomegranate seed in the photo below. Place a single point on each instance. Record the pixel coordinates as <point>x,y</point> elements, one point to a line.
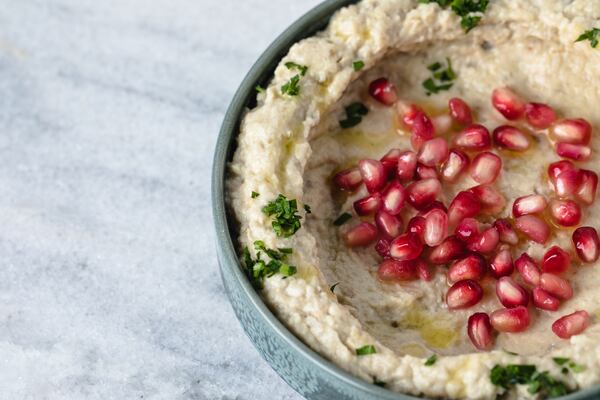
<point>394,270</point>
<point>348,179</point>
<point>511,138</point>
<point>389,225</point>
<point>450,249</point>
<point>467,229</point>
<point>571,325</point>
<point>423,192</point>
<point>492,201</point>
<point>460,111</point>
<point>390,161</point>
<point>568,182</point>
<point>408,112</point>
<point>464,205</point>
<point>587,244</point>
<point>383,91</point>
<point>528,269</point>
<point>506,231</point>
<point>362,234</point>
<point>436,205</point>
<point>556,260</point>
<point>433,152</point>
<point>586,192</point>
<point>436,227</point>
<point>422,130</point>
<point>565,212</point>
<point>455,165</point>
<point>574,131</point>
<point>373,174</point>
<point>442,123</point>
<point>556,168</point>
<point>471,267</point>
<point>407,164</point>
<point>502,264</point>
<point>556,286</point>
<point>463,294</point>
<point>510,293</point>
<point>544,300</point>
<point>425,172</point>
<point>485,242</point>
<point>486,167</point>
<point>532,204</point>
<point>393,198</point>
<point>423,270</point>
<point>480,331</point>
<point>511,320</point>
<point>383,248</point>
<point>473,138</point>
<point>416,226</point>
<point>575,152</point>
<point>534,228</point>
<point>368,205</point>
<point>539,115</point>
<point>508,103</point>
<point>406,247</point>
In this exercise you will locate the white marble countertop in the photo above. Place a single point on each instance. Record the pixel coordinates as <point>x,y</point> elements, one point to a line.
<point>109,111</point>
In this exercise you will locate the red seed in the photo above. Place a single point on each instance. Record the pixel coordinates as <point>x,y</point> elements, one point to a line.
<point>473,138</point>
<point>533,227</point>
<point>480,331</point>
<point>348,179</point>
<point>571,325</point>
<point>454,166</point>
<point>587,244</point>
<point>407,164</point>
<point>464,205</point>
<point>406,247</point>
<point>399,271</point>
<point>556,260</point>
<point>382,247</point>
<point>532,204</point>
<point>506,231</point>
<point>556,168</point>
<point>544,300</point>
<point>422,193</point>
<point>502,264</point>
<point>360,235</point>
<point>574,131</point>
<point>433,152</point>
<point>472,267</point>
<point>511,320</point>
<point>368,205</point>
<point>373,174</point>
<point>539,115</point>
<point>556,286</point>
<point>565,212</point>
<point>463,294</point>
<point>433,206</point>
<point>393,198</point>
<point>408,112</point>
<point>425,172</point>
<point>586,192</point>
<point>511,138</point>
<point>486,167</point>
<point>485,242</point>
<point>390,226</point>
<point>568,182</point>
<point>422,130</point>
<point>383,91</point>
<point>450,249</point>
<point>436,227</point>
<point>492,201</point>
<point>460,111</point>
<point>575,152</point>
<point>467,229</point>
<point>416,226</point>
<point>510,293</point>
<point>528,269</point>
<point>423,270</point>
<point>508,103</point>
<point>390,161</point>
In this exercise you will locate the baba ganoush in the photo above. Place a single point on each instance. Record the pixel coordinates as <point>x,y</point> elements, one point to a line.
<point>415,195</point>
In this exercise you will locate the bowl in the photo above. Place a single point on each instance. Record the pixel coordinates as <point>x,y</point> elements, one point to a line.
<point>303,369</point>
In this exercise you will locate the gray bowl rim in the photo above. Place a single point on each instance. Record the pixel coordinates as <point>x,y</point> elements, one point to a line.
<point>260,73</point>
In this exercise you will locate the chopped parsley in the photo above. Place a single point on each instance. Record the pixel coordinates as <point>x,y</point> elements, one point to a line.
<point>469,11</point>
<point>332,287</point>
<point>593,35</point>
<point>560,360</point>
<point>259,268</point>
<point>431,360</point>
<point>293,66</point>
<point>259,89</point>
<point>566,362</point>
<point>537,382</point>
<point>366,350</point>
<point>285,220</point>
<point>354,114</point>
<point>342,219</point>
<point>307,209</point>
<point>441,78</point>
<point>292,87</point>
<point>358,65</point>
<point>255,194</point>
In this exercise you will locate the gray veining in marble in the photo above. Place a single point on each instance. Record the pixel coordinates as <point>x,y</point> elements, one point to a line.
<point>109,112</point>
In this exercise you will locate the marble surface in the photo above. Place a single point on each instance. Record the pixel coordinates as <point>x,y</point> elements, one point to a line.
<point>109,111</point>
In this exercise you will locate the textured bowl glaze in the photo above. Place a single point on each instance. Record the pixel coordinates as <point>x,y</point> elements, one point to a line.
<point>303,369</point>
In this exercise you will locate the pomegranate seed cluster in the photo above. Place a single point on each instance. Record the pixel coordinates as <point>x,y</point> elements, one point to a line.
<point>410,181</point>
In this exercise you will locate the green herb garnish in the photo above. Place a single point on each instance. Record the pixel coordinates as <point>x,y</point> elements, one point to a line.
<point>561,360</point>
<point>366,350</point>
<point>342,219</point>
<point>441,79</point>
<point>285,220</point>
<point>537,382</point>
<point>354,114</point>
<point>358,65</point>
<point>259,89</point>
<point>307,209</point>
<point>467,10</point>
<point>292,65</point>
<point>258,269</point>
<point>255,194</point>
<point>593,35</point>
<point>332,287</point>
<point>566,362</point>
<point>431,360</point>
<point>576,368</point>
<point>292,87</point>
